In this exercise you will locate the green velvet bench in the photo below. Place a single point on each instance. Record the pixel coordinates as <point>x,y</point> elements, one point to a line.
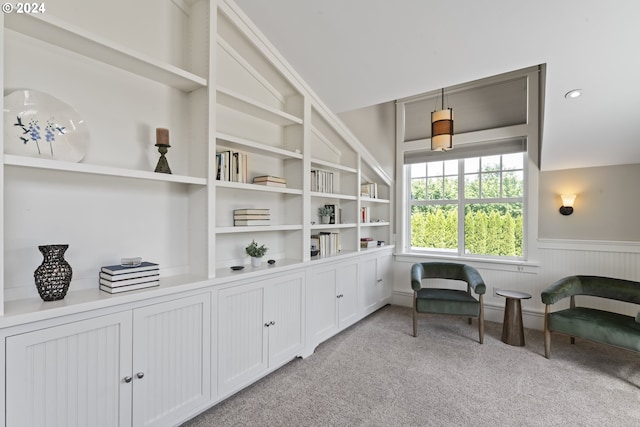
<point>600,326</point>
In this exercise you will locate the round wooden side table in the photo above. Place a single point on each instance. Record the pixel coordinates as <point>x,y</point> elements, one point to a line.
<point>512,328</point>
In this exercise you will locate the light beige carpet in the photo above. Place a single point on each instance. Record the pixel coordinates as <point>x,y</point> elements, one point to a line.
<point>377,374</point>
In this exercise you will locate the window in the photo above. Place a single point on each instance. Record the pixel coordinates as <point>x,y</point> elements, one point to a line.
<point>478,201</point>
<point>469,205</point>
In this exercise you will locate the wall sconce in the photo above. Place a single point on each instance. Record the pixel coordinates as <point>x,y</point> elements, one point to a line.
<point>567,204</point>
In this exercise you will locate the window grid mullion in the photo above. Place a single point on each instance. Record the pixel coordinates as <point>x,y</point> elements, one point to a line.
<point>461,207</point>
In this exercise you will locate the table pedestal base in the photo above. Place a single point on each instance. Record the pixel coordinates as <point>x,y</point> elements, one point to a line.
<point>512,328</point>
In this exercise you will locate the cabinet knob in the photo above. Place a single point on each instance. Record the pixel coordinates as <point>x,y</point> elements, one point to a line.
<point>272,323</point>
<point>340,296</point>
<point>266,325</point>
<point>127,379</point>
<point>379,280</point>
<point>140,375</point>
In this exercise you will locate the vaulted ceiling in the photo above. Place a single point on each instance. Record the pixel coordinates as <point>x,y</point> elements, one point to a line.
<point>358,53</point>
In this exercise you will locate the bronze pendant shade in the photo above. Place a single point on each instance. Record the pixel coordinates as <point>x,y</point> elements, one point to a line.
<point>442,128</point>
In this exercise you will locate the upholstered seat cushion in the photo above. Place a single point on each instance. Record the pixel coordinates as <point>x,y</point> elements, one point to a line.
<point>600,326</point>
<point>447,301</point>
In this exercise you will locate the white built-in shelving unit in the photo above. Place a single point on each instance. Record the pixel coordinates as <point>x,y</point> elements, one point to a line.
<point>201,69</point>
<point>111,204</point>
<point>226,88</point>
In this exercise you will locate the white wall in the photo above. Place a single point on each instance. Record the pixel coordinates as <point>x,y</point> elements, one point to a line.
<point>375,128</point>
<point>606,206</point>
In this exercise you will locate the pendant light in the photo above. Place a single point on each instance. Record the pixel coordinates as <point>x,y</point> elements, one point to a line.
<point>442,128</point>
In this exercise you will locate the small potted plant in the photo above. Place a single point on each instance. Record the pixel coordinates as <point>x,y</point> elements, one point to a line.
<point>325,213</point>
<point>256,253</point>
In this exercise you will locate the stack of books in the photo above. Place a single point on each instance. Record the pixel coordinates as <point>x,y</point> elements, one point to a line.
<point>270,181</point>
<point>368,242</point>
<point>118,278</point>
<point>249,217</point>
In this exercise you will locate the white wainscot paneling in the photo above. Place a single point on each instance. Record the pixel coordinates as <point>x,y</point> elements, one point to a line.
<point>556,259</point>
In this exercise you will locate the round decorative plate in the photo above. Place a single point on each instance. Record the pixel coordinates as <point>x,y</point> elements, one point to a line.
<point>38,125</point>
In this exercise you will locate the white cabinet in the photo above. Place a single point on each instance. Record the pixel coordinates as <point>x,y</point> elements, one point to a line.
<point>260,327</point>
<point>171,360</point>
<point>332,300</point>
<point>375,281</point>
<point>71,375</point>
<point>148,366</point>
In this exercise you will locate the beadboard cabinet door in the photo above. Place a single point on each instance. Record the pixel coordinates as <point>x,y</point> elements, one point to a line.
<point>71,375</point>
<point>171,360</point>
<point>332,300</point>
<point>142,367</point>
<point>375,282</point>
<point>260,327</point>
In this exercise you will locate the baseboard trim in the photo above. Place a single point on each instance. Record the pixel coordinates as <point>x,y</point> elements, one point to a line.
<point>492,312</point>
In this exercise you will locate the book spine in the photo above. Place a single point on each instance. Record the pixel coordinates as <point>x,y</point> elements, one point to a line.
<point>118,277</point>
<point>126,282</point>
<point>128,288</point>
<point>116,270</point>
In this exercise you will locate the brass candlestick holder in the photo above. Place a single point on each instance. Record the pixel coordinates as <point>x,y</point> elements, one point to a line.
<point>163,164</point>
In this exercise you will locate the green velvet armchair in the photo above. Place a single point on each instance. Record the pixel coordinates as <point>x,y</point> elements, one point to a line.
<point>450,302</point>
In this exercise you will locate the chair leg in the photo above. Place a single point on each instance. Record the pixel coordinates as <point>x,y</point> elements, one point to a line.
<point>481,321</point>
<point>547,333</point>
<point>415,316</point>
<point>415,323</point>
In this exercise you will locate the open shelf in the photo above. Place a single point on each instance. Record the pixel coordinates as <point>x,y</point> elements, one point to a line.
<point>256,109</point>
<point>258,228</point>
<point>372,200</point>
<point>330,166</point>
<point>333,196</point>
<point>34,162</point>
<point>57,32</point>
<point>238,143</point>
<point>256,187</point>
<point>332,226</point>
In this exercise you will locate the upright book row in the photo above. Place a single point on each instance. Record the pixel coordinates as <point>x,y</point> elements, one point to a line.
<point>369,189</point>
<point>321,181</point>
<point>365,215</point>
<point>231,166</point>
<point>326,243</point>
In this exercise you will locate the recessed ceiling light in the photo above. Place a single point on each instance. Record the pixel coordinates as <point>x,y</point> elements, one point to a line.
<point>573,93</point>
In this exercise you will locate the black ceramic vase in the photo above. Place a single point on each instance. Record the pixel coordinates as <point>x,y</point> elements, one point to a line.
<point>53,276</point>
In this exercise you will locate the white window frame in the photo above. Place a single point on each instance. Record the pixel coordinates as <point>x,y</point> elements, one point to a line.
<point>528,130</point>
<point>462,201</point>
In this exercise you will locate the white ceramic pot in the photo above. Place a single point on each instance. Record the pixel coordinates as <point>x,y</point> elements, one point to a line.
<point>255,261</point>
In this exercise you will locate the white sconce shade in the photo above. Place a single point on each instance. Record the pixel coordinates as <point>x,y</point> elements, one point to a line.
<point>567,204</point>
<point>568,199</point>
